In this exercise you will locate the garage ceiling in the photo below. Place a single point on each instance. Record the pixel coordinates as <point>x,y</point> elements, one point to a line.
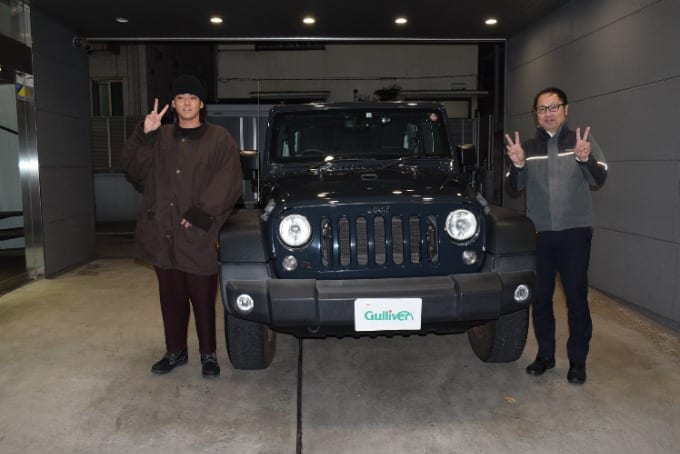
<point>254,20</point>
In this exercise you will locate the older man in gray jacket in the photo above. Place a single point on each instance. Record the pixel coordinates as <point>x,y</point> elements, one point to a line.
<point>557,169</point>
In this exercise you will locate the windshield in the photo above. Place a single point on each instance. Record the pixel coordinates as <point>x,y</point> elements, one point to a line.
<point>314,136</point>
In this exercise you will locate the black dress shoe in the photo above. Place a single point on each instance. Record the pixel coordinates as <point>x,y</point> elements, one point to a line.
<point>170,361</point>
<point>577,373</point>
<point>540,365</point>
<point>210,366</point>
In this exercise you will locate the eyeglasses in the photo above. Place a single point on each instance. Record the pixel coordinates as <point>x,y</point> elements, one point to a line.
<point>552,108</point>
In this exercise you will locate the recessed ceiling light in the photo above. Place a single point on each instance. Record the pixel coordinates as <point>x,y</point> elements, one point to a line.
<point>400,20</point>
<point>491,21</point>
<point>216,20</point>
<point>122,20</point>
<point>308,20</point>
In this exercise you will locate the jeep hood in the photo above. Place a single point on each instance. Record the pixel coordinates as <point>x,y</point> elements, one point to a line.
<point>355,186</point>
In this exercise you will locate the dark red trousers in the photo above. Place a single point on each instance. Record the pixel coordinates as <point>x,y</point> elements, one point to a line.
<point>178,291</point>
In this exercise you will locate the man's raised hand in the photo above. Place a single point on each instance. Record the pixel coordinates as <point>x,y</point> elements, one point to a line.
<point>515,150</point>
<point>582,147</point>
<point>153,120</point>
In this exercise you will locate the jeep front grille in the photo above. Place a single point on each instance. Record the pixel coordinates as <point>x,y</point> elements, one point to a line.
<point>378,241</point>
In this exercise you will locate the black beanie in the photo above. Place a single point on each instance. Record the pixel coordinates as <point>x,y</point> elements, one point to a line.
<point>187,83</point>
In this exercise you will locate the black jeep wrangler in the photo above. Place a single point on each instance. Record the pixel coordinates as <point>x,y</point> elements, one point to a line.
<point>365,225</point>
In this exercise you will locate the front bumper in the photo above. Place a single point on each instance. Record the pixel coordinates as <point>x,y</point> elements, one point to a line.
<point>309,307</point>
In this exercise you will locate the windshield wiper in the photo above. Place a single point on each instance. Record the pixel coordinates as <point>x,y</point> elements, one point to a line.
<point>398,161</point>
<point>337,162</point>
<point>410,158</point>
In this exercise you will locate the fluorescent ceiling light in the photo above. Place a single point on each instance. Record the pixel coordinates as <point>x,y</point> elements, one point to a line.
<point>309,20</point>
<point>400,20</point>
<point>491,21</point>
<point>216,20</point>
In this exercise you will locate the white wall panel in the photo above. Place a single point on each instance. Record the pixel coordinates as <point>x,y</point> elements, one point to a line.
<point>589,15</point>
<point>66,192</point>
<point>641,198</point>
<point>66,137</point>
<point>526,80</point>
<point>66,189</point>
<point>636,269</point>
<point>544,37</point>
<point>63,88</point>
<point>68,243</point>
<point>636,50</point>
<point>634,124</point>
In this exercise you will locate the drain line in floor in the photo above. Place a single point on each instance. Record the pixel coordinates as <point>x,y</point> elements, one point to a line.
<point>298,443</point>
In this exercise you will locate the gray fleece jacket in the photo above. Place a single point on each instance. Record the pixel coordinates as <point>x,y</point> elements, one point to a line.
<point>557,185</point>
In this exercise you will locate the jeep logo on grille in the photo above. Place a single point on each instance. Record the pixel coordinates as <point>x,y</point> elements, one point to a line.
<point>379,209</point>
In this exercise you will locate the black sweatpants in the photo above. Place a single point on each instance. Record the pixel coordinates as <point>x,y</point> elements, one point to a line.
<point>566,252</point>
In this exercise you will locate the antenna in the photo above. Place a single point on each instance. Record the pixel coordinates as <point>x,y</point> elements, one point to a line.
<point>258,146</point>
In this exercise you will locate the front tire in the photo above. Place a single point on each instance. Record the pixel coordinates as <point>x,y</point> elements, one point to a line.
<point>250,345</point>
<point>502,340</point>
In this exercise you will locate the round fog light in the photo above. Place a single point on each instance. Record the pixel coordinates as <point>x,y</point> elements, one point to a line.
<point>469,257</point>
<point>245,303</point>
<point>289,263</point>
<point>521,293</point>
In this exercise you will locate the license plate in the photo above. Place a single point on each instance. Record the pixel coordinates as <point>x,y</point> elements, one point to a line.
<point>387,314</point>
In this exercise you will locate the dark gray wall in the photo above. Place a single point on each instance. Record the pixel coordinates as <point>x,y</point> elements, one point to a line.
<point>619,64</point>
<point>62,122</point>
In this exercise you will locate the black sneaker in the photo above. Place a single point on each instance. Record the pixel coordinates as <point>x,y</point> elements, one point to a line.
<point>540,365</point>
<point>170,361</point>
<point>577,373</point>
<point>209,365</point>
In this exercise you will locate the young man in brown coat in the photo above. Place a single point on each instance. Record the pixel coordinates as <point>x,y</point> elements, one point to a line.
<point>191,174</point>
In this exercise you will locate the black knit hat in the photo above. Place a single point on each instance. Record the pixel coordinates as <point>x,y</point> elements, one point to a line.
<point>186,83</point>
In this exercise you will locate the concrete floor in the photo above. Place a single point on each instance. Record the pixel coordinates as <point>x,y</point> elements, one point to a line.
<point>76,352</point>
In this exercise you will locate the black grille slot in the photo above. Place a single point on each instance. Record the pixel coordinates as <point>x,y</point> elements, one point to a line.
<point>377,241</point>
<point>414,238</point>
<point>379,237</point>
<point>432,240</point>
<point>344,242</point>
<point>326,242</point>
<point>397,241</point>
<point>362,241</point>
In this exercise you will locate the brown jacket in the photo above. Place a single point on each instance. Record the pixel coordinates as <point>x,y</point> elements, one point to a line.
<point>196,177</point>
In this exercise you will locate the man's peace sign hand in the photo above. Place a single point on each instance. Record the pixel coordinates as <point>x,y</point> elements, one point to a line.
<point>515,150</point>
<point>582,148</point>
<point>153,120</point>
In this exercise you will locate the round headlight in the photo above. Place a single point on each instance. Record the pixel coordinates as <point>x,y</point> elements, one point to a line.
<point>295,230</point>
<point>461,225</point>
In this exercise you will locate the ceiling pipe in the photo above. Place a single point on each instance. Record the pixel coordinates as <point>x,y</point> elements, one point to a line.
<point>252,39</point>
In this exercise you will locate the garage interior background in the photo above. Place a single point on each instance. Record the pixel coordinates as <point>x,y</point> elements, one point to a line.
<point>615,59</point>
